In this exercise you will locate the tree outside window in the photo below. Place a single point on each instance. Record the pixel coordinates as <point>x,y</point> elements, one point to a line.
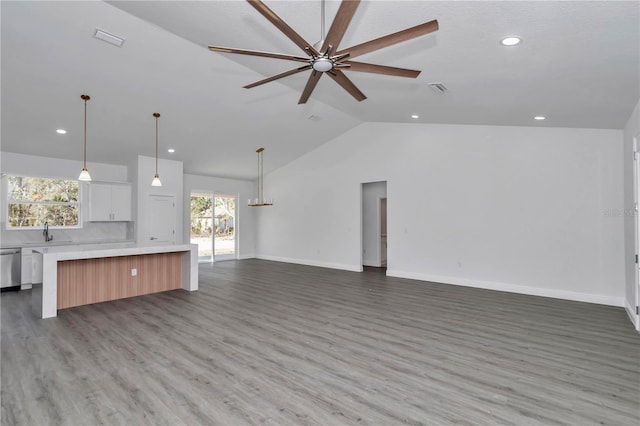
<point>32,201</point>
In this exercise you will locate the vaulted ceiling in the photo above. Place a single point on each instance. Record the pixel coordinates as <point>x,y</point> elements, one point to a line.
<point>578,64</point>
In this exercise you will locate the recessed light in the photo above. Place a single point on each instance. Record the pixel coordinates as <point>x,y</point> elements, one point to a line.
<point>171,150</point>
<point>61,131</point>
<point>539,117</point>
<point>510,41</point>
<point>415,116</point>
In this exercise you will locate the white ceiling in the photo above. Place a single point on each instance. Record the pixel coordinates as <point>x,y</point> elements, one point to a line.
<point>578,64</point>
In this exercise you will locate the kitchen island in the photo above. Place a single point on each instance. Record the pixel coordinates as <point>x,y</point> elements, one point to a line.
<point>85,274</point>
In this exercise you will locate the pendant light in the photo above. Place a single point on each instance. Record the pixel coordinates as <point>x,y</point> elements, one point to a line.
<point>84,174</point>
<point>156,178</point>
<point>260,201</point>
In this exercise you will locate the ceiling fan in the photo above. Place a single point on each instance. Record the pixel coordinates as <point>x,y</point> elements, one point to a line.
<point>325,58</point>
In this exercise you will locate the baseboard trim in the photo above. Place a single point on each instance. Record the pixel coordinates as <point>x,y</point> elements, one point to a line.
<point>631,312</point>
<point>512,288</point>
<point>246,256</point>
<point>330,265</point>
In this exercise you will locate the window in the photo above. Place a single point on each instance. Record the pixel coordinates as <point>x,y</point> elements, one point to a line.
<point>32,201</point>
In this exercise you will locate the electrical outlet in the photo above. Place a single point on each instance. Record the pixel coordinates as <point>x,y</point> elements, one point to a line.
<point>134,272</point>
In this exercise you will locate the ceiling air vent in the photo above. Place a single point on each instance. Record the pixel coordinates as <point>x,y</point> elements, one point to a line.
<point>438,87</point>
<point>109,38</point>
<point>315,118</point>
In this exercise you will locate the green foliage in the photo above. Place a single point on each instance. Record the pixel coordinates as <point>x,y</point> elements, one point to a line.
<point>224,215</point>
<point>201,215</point>
<point>32,201</point>
<point>204,218</point>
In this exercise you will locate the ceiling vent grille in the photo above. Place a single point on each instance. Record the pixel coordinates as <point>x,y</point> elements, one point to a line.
<point>438,87</point>
<point>109,38</point>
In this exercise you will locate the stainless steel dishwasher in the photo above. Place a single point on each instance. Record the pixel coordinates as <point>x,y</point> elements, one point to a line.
<point>9,268</point>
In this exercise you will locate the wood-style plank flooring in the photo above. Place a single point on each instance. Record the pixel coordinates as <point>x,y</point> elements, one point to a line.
<point>274,343</point>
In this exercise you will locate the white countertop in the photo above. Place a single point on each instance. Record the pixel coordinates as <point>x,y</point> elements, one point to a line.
<point>58,243</point>
<point>91,251</point>
<point>49,257</point>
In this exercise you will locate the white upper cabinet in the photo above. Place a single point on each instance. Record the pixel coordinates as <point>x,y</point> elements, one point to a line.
<point>121,202</point>
<point>109,202</point>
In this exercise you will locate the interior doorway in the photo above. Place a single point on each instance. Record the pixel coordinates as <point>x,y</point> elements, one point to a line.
<point>374,224</point>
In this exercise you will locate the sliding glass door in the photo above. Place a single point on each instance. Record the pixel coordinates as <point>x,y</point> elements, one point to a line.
<point>202,225</point>
<point>213,226</point>
<point>224,220</point>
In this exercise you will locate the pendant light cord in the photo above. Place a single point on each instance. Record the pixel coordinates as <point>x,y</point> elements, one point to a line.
<point>85,134</point>
<point>156,115</point>
<point>260,201</point>
<point>261,179</point>
<point>322,21</point>
<point>85,98</point>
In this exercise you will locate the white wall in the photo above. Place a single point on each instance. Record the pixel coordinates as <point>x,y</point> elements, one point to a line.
<point>31,165</point>
<point>60,168</point>
<point>630,131</point>
<point>171,177</point>
<point>244,190</point>
<point>511,208</point>
<point>371,194</point>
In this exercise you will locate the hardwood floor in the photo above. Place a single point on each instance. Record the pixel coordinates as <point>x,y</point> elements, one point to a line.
<point>273,343</point>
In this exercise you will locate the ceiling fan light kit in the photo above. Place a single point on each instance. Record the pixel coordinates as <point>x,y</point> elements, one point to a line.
<point>324,57</point>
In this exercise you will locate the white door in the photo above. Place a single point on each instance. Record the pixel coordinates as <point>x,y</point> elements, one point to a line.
<point>162,219</point>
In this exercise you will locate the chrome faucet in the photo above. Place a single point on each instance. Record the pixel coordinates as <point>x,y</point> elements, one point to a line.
<point>47,237</point>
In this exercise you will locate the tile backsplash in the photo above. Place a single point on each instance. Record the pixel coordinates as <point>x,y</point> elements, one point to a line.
<point>91,232</point>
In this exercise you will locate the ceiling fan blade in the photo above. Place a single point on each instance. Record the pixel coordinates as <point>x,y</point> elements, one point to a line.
<point>381,69</point>
<point>311,84</point>
<point>277,76</point>
<point>258,53</point>
<point>347,84</point>
<point>391,39</point>
<point>282,26</point>
<point>340,23</point>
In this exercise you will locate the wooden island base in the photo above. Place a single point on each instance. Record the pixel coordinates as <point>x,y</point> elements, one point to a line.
<point>86,274</point>
<point>86,281</point>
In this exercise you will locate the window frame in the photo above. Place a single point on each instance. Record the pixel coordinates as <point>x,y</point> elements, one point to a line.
<point>8,201</point>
